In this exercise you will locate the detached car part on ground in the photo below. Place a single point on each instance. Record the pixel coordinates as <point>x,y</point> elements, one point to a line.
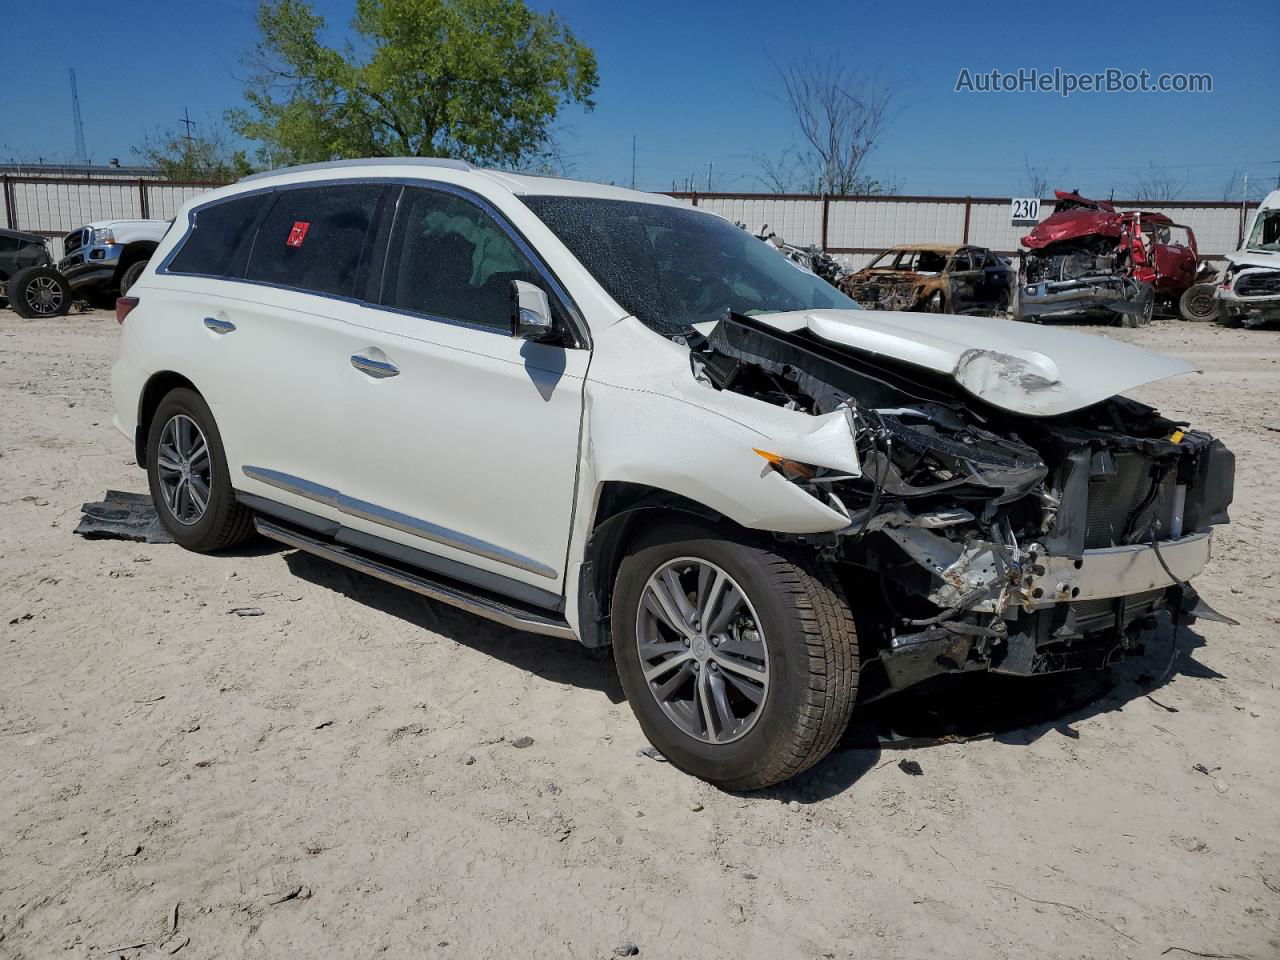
<point>101,261</point>
<point>1087,259</point>
<point>661,436</point>
<point>1248,292</point>
<point>938,278</point>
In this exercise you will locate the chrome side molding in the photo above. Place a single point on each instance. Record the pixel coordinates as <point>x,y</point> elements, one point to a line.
<point>397,521</point>
<point>494,610</point>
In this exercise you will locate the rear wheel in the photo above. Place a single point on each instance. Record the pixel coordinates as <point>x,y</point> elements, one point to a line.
<point>38,292</point>
<point>740,661</point>
<point>187,473</point>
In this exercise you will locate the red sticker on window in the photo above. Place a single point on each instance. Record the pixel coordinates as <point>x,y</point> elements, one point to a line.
<point>298,233</point>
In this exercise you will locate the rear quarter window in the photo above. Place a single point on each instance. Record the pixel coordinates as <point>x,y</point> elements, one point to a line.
<point>219,237</point>
<point>313,238</point>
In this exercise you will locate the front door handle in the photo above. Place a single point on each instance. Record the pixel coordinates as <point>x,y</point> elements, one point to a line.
<point>219,326</point>
<point>378,369</point>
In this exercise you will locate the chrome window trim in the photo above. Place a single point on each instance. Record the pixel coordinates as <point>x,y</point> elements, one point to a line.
<point>581,331</point>
<point>397,521</point>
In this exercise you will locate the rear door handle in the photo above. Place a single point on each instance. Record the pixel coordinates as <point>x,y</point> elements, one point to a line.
<point>219,326</point>
<point>378,369</point>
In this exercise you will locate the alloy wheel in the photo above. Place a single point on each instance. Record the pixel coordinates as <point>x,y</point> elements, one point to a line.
<point>184,469</point>
<point>44,296</point>
<point>702,650</point>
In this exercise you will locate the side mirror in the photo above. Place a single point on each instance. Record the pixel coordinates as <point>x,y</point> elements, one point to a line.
<point>530,312</point>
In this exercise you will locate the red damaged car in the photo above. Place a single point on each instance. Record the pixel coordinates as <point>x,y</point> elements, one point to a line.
<point>1087,259</point>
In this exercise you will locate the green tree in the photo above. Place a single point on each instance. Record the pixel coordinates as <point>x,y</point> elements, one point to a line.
<point>479,80</point>
<point>207,154</point>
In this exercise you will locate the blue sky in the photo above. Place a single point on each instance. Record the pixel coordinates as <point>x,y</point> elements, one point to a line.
<point>692,82</point>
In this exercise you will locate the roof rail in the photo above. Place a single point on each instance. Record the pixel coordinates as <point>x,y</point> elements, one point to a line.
<point>445,162</point>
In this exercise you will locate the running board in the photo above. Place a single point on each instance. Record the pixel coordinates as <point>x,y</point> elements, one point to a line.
<point>491,609</point>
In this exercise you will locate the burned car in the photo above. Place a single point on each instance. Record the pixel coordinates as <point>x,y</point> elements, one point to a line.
<point>937,278</point>
<point>1249,291</point>
<point>1087,259</point>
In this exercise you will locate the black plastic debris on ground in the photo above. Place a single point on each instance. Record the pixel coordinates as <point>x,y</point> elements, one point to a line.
<point>122,516</point>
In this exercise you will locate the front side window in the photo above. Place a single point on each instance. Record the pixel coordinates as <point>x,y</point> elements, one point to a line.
<point>674,266</point>
<point>448,258</point>
<point>314,237</point>
<point>220,235</point>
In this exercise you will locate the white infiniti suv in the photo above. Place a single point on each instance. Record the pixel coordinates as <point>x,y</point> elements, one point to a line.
<point>588,412</point>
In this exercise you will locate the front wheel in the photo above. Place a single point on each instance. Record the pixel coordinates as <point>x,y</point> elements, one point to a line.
<point>739,660</point>
<point>37,292</point>
<point>130,276</point>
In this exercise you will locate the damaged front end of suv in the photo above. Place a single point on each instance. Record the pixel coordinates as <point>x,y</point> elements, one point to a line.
<point>1009,513</point>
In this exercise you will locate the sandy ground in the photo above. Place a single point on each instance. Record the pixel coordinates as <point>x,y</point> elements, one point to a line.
<point>358,743</point>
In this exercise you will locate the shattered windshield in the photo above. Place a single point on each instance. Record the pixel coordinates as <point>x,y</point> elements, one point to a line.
<point>673,267</point>
<point>1266,232</point>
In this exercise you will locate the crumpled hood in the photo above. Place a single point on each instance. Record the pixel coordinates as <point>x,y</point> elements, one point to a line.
<point>1254,258</point>
<point>1021,367</point>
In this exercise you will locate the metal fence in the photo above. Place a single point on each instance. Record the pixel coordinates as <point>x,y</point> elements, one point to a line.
<point>54,206</point>
<point>854,229</point>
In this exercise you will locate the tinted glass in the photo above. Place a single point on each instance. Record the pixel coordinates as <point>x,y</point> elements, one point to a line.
<point>218,239</point>
<point>9,244</point>
<point>313,238</point>
<point>449,258</point>
<point>673,266</point>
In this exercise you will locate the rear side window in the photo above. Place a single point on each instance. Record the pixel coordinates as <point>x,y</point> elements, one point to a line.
<point>314,237</point>
<point>219,237</point>
<point>448,258</point>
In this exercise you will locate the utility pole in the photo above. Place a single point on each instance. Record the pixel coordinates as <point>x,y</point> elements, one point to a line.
<point>710,164</point>
<point>186,121</point>
<point>633,161</point>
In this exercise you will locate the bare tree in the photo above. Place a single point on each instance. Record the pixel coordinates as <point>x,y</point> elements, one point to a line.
<point>1238,187</point>
<point>841,115</point>
<point>1037,178</point>
<point>1156,183</point>
<point>781,173</point>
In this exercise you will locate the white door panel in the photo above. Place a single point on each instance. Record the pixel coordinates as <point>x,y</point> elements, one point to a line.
<point>270,358</point>
<point>469,450</point>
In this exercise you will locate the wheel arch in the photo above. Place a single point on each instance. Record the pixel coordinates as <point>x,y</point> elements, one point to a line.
<point>132,253</point>
<point>158,385</point>
<point>623,510</point>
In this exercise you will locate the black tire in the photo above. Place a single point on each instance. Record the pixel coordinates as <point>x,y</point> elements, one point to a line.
<point>224,522</point>
<point>812,655</point>
<point>38,292</point>
<point>1146,297</point>
<point>1197,305</point>
<point>130,276</point>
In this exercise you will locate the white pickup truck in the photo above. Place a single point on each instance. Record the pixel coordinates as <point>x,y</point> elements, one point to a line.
<point>100,261</point>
